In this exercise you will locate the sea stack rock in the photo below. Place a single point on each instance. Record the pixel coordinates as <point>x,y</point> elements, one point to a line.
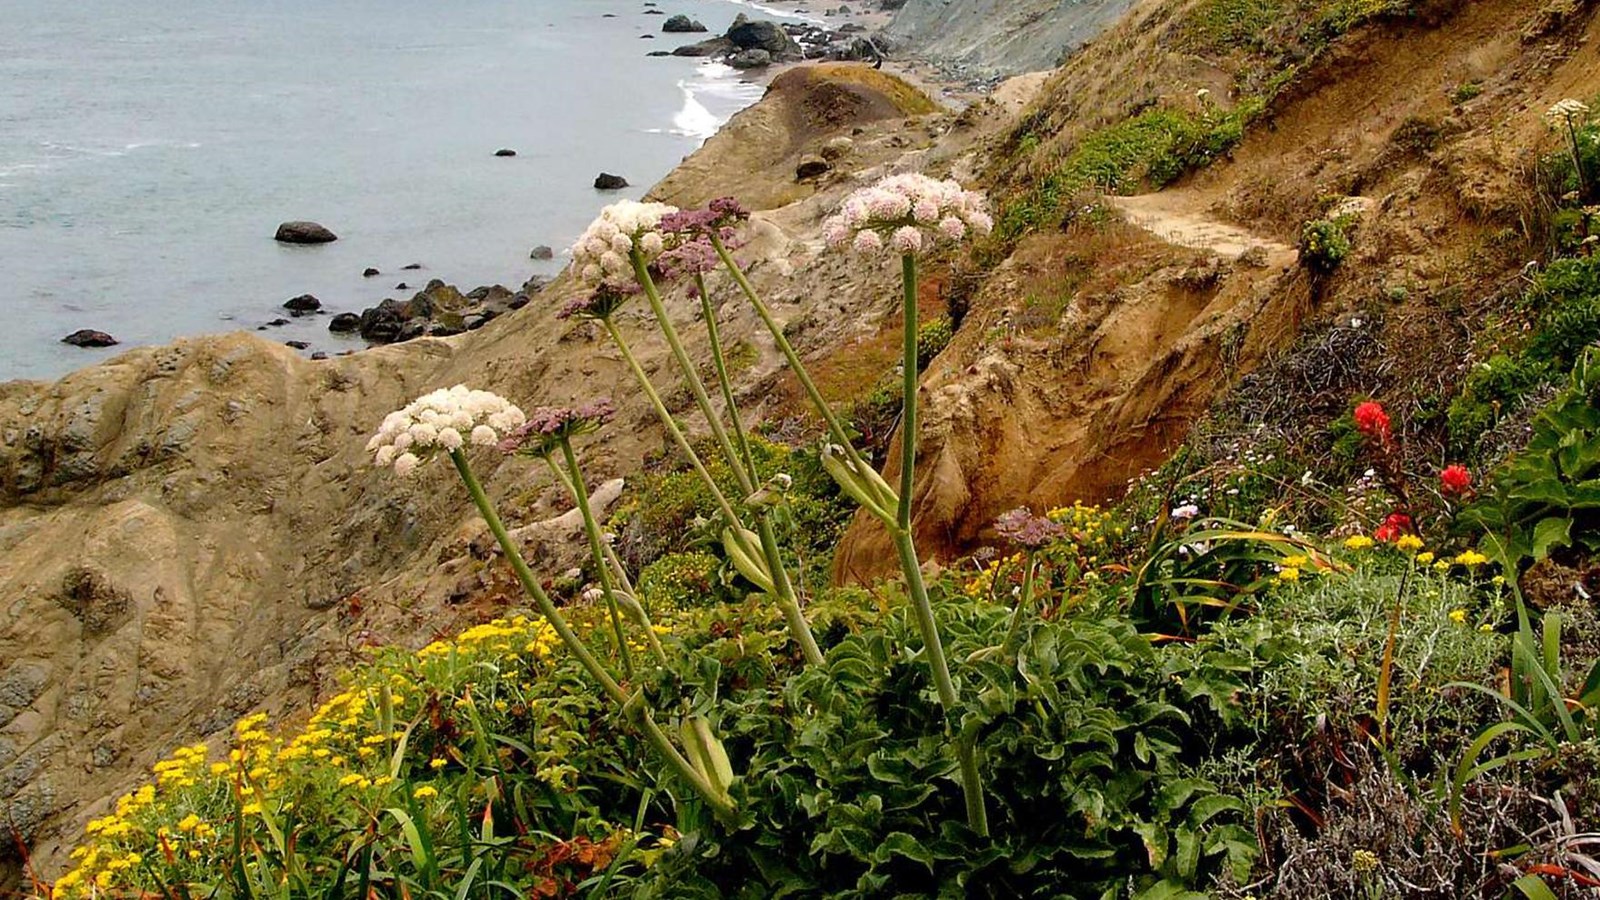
<point>682,24</point>
<point>751,59</point>
<point>606,181</point>
<point>749,34</point>
<point>344,323</point>
<point>369,272</point>
<point>304,233</point>
<point>303,304</point>
<point>505,151</point>
<point>543,251</point>
<point>88,337</point>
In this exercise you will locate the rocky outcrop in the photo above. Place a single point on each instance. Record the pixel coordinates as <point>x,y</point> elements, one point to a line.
<point>304,233</point>
<point>682,24</point>
<point>1000,37</point>
<point>438,310</point>
<point>758,34</point>
<point>88,337</point>
<point>606,181</point>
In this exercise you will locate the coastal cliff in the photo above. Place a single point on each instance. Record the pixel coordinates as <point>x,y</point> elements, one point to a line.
<point>192,532</point>
<point>1000,37</point>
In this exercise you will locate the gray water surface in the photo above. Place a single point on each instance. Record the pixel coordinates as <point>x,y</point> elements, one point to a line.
<point>148,151</point>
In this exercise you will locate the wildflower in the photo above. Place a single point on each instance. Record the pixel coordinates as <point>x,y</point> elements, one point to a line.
<point>604,253</point>
<point>1565,112</point>
<point>1458,616</point>
<point>1373,422</point>
<point>1364,861</point>
<point>1408,542</point>
<point>1393,528</point>
<point>188,823</point>
<point>251,809</point>
<point>1424,559</point>
<point>1294,562</point>
<point>1455,480</point>
<point>548,426</point>
<point>349,780</point>
<point>1471,559</point>
<point>1185,512</point>
<point>440,420</point>
<point>908,214</point>
<point>436,764</point>
<point>1358,542</point>
<point>1022,527</point>
<point>1486,628</point>
<point>1289,574</point>
<point>1442,566</point>
<point>425,792</point>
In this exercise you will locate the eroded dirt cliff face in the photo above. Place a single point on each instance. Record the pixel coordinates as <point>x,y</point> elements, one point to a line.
<point>1001,37</point>
<point>192,532</point>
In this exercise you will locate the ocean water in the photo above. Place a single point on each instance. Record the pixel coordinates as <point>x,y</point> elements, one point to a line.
<point>148,152</point>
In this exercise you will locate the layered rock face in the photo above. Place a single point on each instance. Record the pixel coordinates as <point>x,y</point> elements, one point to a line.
<point>1001,37</point>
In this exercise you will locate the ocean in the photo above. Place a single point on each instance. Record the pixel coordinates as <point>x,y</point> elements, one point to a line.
<point>148,152</point>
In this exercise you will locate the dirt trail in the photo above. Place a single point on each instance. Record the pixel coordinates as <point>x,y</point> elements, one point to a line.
<point>1172,218</point>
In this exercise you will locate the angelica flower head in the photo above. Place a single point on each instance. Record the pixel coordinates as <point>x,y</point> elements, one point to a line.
<point>549,426</point>
<point>1566,112</point>
<point>600,303</point>
<point>1022,527</point>
<point>604,253</point>
<point>446,419</point>
<point>908,214</point>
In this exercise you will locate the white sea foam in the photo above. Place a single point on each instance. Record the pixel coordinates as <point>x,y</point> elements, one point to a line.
<point>694,120</point>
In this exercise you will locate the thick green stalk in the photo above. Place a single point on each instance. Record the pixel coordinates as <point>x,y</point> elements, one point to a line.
<point>618,570</point>
<point>691,375</point>
<point>636,711</point>
<point>591,529</point>
<point>795,617</point>
<point>911,565</point>
<point>678,437</point>
<point>835,427</point>
<point>723,380</point>
<point>1013,640</point>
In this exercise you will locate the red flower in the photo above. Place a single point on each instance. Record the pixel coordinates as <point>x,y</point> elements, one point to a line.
<point>1393,528</point>
<point>1372,421</point>
<point>1455,480</point>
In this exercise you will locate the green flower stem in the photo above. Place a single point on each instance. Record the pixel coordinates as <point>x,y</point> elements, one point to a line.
<point>692,375</point>
<point>911,565</point>
<point>787,599</point>
<point>608,681</point>
<point>908,395</point>
<point>591,528</point>
<point>633,706</point>
<point>835,427</point>
<point>1013,641</point>
<point>671,425</point>
<point>618,570</point>
<point>1386,668</point>
<point>723,380</point>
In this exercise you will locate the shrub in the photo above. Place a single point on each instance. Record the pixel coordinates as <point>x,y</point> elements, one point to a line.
<point>1089,756</point>
<point>1324,245</point>
<point>932,338</point>
<point>682,580</point>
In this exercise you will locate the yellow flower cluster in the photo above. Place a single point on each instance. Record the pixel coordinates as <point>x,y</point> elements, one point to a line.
<point>981,585</point>
<point>344,748</point>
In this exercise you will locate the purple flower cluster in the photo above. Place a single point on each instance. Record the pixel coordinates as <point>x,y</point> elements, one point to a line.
<point>600,303</point>
<point>1022,527</point>
<point>548,426</point>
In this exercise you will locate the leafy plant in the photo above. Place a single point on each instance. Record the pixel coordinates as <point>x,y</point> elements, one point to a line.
<point>1548,496</point>
<point>1324,244</point>
<point>1210,570</point>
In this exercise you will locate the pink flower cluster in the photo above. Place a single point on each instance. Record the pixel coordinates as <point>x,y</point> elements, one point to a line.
<point>1022,527</point>
<point>548,426</point>
<point>907,214</point>
<point>445,419</point>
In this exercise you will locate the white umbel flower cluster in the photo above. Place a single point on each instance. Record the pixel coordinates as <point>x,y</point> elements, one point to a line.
<point>907,214</point>
<point>602,253</point>
<point>1566,112</point>
<point>443,420</point>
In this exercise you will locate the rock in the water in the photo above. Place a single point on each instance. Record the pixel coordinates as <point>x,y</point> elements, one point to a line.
<point>304,233</point>
<point>298,345</point>
<point>305,303</point>
<point>542,251</point>
<point>682,24</point>
<point>811,166</point>
<point>659,53</point>
<point>647,37</point>
<point>278,322</point>
<point>505,151</point>
<point>344,323</point>
<point>716,46</point>
<point>88,337</point>
<point>402,286</point>
<point>751,59</point>
<point>411,267</point>
<point>750,34</point>
<point>319,355</point>
<point>370,272</point>
<point>606,181</point>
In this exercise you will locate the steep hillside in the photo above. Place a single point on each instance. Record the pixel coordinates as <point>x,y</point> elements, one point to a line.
<point>1230,134</point>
